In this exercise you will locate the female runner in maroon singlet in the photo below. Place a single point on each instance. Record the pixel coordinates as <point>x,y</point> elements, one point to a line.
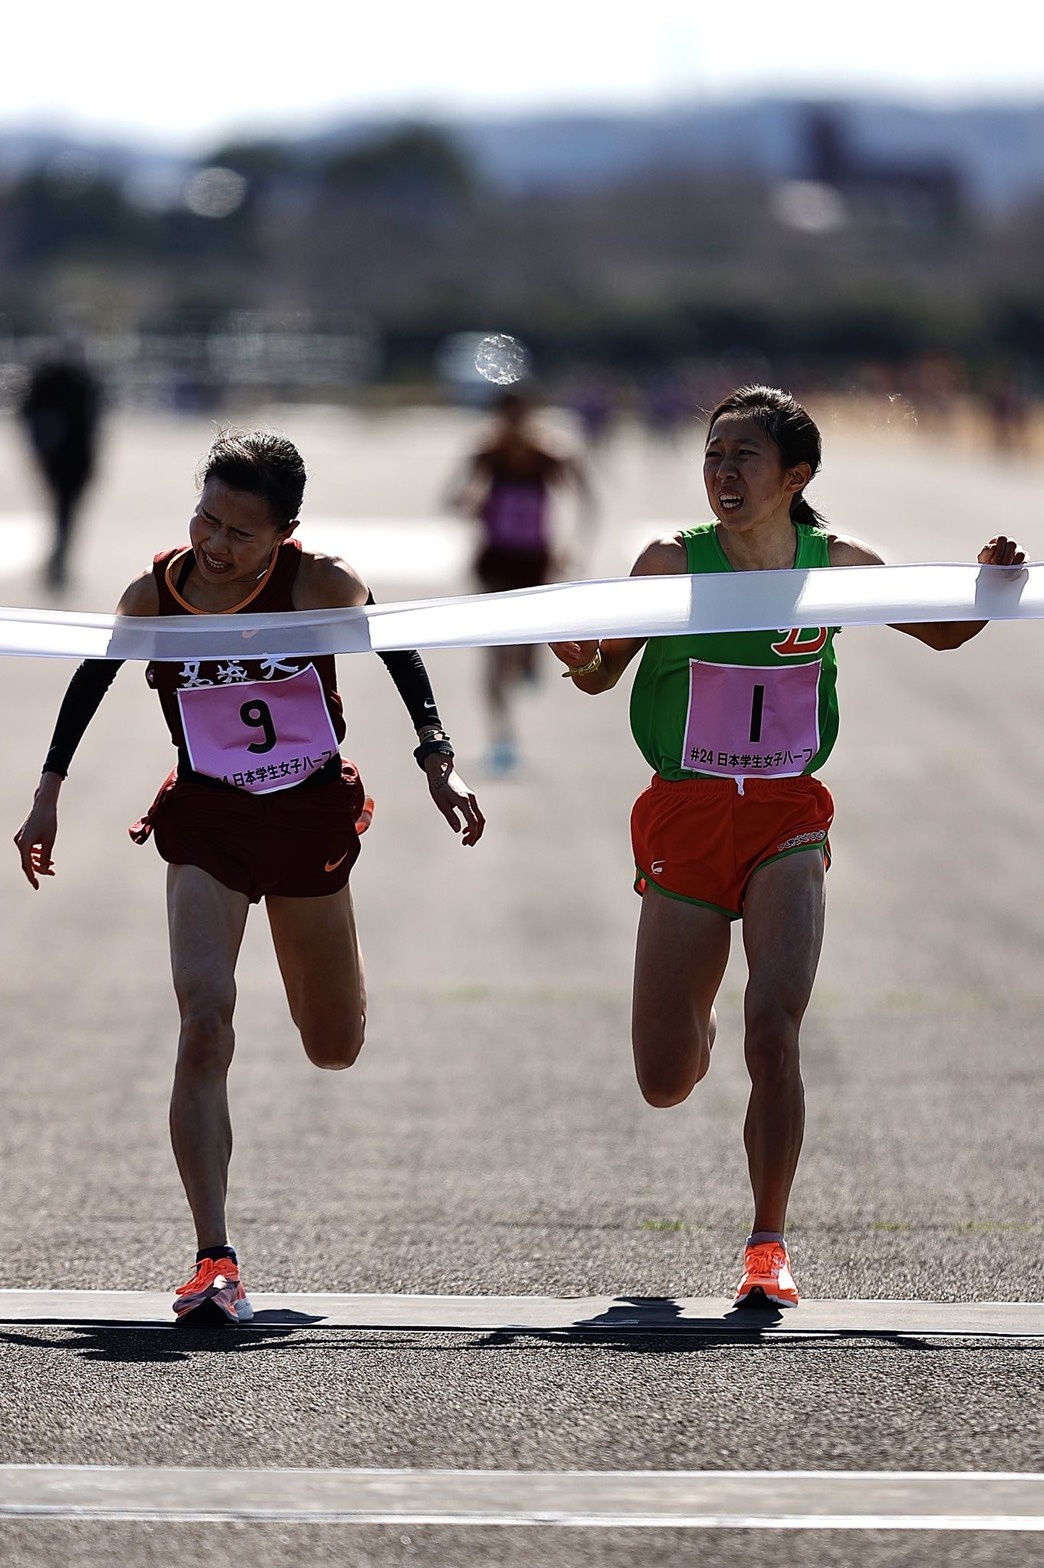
<point>260,806</point>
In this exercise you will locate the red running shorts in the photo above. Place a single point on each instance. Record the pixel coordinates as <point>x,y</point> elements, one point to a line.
<point>701,840</point>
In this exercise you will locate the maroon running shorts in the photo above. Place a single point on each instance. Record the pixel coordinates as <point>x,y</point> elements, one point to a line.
<point>294,843</point>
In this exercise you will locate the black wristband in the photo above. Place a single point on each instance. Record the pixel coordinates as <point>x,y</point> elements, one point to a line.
<point>441,747</point>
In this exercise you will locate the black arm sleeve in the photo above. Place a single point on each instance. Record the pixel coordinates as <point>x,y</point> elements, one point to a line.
<point>83,696</point>
<point>406,668</point>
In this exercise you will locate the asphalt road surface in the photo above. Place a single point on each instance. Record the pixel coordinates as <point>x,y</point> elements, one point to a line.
<point>490,1142</point>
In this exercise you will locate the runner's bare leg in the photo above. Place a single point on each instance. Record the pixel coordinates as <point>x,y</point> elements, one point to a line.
<point>783,936</point>
<point>680,958</point>
<point>206,922</point>
<point>317,947</point>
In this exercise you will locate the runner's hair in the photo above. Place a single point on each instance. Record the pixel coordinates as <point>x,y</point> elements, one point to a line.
<point>789,426</point>
<point>261,463</point>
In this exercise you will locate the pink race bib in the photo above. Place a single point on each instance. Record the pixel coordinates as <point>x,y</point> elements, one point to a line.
<point>751,720</point>
<point>259,736</point>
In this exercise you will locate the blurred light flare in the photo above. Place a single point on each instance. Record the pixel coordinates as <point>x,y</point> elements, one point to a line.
<point>501,359</point>
<point>214,192</point>
<point>810,206</point>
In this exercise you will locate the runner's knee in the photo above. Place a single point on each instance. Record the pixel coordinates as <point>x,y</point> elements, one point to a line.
<point>771,1041</point>
<point>662,1091</point>
<point>664,1084</point>
<point>207,1040</point>
<point>334,1049</point>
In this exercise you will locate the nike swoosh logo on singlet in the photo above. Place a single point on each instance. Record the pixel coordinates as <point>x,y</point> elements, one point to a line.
<point>331,865</point>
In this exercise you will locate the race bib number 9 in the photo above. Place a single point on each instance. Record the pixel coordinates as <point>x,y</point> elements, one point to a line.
<point>259,736</point>
<point>751,720</point>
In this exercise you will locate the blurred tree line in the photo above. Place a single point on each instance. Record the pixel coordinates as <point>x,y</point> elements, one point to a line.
<point>401,233</point>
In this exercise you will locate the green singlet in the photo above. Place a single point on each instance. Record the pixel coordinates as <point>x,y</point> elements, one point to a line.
<point>738,704</point>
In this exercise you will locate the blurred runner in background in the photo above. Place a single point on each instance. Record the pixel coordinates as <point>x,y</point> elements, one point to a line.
<point>508,488</point>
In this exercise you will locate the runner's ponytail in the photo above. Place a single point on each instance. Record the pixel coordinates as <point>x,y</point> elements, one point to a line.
<point>805,514</point>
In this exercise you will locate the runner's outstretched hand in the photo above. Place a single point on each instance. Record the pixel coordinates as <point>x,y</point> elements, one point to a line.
<point>1001,551</point>
<point>35,838</point>
<point>574,653</point>
<point>455,800</point>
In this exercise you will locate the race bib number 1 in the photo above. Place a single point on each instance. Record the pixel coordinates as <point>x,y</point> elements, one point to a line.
<point>750,720</point>
<point>259,736</point>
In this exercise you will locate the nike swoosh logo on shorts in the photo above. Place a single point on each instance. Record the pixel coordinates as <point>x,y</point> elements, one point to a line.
<point>331,865</point>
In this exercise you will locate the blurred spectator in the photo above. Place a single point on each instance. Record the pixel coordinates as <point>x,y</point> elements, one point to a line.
<point>667,404</point>
<point>60,411</point>
<point>937,382</point>
<point>593,399</point>
<point>1007,407</point>
<point>507,489</point>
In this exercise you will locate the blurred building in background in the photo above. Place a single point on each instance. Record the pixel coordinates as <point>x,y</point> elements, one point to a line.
<point>911,191</point>
<point>643,260</point>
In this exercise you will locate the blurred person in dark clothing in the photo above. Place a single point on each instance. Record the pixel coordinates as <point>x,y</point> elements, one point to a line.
<point>1008,410</point>
<point>60,411</point>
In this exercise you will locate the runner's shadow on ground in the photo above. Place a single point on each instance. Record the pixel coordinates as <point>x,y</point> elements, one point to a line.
<point>659,1324</point>
<point>664,1313</point>
<point>633,1324</point>
<point>162,1343</point>
<point>121,1344</point>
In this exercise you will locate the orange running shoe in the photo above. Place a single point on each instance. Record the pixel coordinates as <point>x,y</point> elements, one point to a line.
<point>214,1296</point>
<point>767,1280</point>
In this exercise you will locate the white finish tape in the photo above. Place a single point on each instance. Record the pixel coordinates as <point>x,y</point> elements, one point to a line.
<point>612,607</point>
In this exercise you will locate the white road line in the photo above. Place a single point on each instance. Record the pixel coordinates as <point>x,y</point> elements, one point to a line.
<point>23,542</point>
<point>433,550</point>
<point>726,1499</point>
<point>630,1315</point>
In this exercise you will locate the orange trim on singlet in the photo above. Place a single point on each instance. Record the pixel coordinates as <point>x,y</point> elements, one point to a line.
<point>176,560</point>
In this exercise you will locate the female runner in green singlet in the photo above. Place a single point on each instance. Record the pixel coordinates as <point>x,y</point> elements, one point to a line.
<point>735,824</point>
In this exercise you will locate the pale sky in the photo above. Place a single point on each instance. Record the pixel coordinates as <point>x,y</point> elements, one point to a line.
<point>179,75</point>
